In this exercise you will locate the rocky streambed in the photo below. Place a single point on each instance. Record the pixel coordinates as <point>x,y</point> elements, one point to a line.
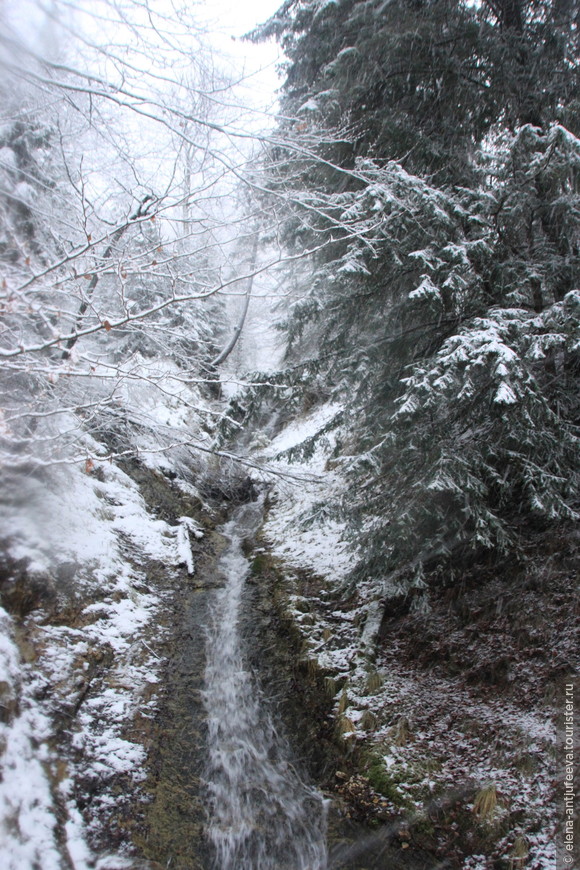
<point>277,715</point>
<point>262,784</point>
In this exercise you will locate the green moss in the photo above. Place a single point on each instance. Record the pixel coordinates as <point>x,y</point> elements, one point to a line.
<point>383,782</point>
<point>266,565</point>
<point>260,564</point>
<point>423,827</point>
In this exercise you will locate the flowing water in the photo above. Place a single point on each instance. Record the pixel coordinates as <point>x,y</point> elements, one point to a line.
<point>262,815</point>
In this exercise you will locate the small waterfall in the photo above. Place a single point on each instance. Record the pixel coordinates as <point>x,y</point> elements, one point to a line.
<point>262,816</point>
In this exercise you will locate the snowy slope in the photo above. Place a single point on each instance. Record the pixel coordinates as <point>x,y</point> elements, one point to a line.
<point>88,572</point>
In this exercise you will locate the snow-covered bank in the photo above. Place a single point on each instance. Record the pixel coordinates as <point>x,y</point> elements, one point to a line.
<point>303,528</point>
<point>89,570</point>
<point>442,695</point>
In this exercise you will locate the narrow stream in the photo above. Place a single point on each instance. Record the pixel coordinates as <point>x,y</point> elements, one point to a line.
<point>262,816</point>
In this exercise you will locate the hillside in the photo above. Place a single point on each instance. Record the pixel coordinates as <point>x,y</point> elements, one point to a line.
<point>289,438</point>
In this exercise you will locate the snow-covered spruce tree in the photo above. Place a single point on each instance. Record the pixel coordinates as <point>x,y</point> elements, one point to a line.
<point>432,149</point>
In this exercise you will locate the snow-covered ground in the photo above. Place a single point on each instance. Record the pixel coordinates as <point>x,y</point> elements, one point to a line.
<point>301,526</point>
<point>79,671</point>
<point>428,734</point>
